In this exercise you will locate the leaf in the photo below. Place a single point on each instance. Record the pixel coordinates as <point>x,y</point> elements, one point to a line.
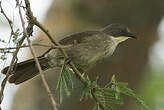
<point>16,36</point>
<point>2,41</point>
<point>107,96</point>
<point>3,57</point>
<point>65,81</point>
<point>81,68</point>
<point>122,88</point>
<point>93,107</point>
<point>86,92</point>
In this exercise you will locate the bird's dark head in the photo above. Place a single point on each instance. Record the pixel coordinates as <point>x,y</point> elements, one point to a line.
<point>118,30</point>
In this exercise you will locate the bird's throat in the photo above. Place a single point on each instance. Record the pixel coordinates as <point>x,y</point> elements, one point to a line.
<point>119,39</point>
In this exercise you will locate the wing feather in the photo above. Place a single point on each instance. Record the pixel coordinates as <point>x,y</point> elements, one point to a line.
<point>78,37</point>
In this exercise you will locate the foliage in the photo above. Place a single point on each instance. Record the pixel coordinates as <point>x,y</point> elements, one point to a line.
<point>3,57</point>
<point>106,98</point>
<point>65,81</point>
<point>16,36</point>
<point>2,41</point>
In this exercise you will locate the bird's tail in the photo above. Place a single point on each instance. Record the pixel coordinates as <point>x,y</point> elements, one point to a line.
<point>26,70</point>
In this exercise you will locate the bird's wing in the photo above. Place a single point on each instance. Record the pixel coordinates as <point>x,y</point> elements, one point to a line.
<point>78,37</point>
<point>25,70</point>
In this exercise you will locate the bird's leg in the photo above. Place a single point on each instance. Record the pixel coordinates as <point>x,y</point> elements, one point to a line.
<point>68,60</point>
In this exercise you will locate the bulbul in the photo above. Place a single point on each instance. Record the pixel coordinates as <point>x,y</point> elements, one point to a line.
<point>85,48</point>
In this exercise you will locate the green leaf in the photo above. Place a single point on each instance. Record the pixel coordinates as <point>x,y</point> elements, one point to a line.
<point>122,88</point>
<point>86,92</point>
<point>81,68</point>
<point>107,96</point>
<point>93,107</point>
<point>65,81</point>
<point>2,41</point>
<point>3,57</point>
<point>16,36</point>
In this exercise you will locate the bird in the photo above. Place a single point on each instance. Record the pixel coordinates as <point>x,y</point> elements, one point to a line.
<point>85,48</point>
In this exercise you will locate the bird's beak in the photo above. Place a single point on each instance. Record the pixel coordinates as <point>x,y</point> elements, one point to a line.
<point>129,34</point>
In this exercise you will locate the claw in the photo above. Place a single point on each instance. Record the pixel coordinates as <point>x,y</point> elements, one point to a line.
<point>68,60</point>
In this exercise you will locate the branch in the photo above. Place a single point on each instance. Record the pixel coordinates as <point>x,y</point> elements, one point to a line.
<point>10,68</point>
<point>3,85</point>
<point>34,54</point>
<point>9,21</point>
<point>36,44</point>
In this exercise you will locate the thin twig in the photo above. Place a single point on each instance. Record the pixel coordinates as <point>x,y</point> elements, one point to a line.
<point>35,57</point>
<point>35,44</point>
<point>9,21</point>
<point>3,85</point>
<point>10,68</point>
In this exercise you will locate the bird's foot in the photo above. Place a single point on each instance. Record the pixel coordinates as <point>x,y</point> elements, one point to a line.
<point>68,60</point>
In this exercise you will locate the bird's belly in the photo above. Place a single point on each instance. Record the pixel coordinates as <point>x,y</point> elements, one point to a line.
<point>90,55</point>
